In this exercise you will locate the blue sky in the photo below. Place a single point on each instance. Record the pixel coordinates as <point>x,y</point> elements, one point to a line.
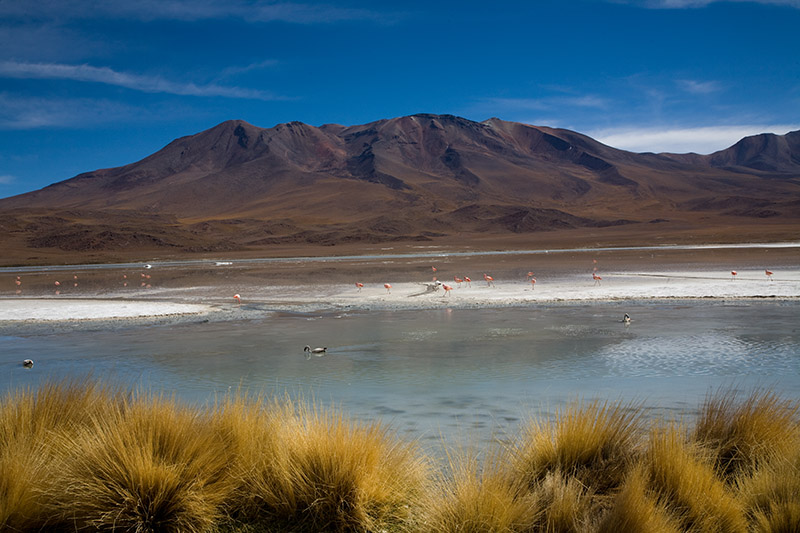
<point>87,84</point>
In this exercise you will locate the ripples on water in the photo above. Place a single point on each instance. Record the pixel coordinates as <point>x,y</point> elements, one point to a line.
<point>446,374</point>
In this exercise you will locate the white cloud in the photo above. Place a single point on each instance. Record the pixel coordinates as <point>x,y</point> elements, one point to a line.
<point>699,87</point>
<point>27,113</point>
<point>703,140</point>
<point>136,82</point>
<point>186,10</point>
<point>503,106</point>
<point>6,179</point>
<point>683,4</point>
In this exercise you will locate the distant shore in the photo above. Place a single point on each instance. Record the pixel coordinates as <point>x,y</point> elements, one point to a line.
<point>190,304</point>
<point>168,293</point>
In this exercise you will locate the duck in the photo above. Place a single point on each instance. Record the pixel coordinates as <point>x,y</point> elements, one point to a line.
<point>28,363</point>
<point>316,351</point>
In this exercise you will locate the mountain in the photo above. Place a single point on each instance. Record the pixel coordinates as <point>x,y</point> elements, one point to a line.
<point>240,188</point>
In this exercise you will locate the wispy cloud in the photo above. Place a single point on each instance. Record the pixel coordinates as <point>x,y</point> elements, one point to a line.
<point>236,70</point>
<point>136,82</point>
<point>188,10</point>
<point>704,140</point>
<point>547,103</point>
<point>29,113</point>
<point>699,87</point>
<point>688,4</point>
<point>7,179</point>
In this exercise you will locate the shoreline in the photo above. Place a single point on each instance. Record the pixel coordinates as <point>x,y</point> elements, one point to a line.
<point>117,295</point>
<point>175,305</point>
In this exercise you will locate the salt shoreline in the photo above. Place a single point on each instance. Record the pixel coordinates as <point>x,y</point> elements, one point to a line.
<point>202,302</point>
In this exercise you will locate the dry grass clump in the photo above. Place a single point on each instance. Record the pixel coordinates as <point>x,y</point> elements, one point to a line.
<point>566,503</point>
<point>595,443</point>
<point>677,473</point>
<point>743,435</point>
<point>771,495</point>
<point>471,497</point>
<point>636,509</point>
<point>317,471</point>
<point>78,456</point>
<point>149,465</point>
<point>29,420</point>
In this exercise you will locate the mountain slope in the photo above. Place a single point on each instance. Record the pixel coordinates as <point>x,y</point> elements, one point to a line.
<point>237,187</point>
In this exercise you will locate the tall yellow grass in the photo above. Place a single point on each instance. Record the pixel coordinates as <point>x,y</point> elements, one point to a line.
<point>81,456</point>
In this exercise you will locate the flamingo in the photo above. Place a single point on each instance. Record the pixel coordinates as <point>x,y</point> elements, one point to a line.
<point>530,274</point>
<point>469,281</point>
<point>769,274</point>
<point>447,288</point>
<point>237,298</point>
<point>533,283</point>
<point>388,288</point>
<point>359,286</point>
<point>27,363</point>
<point>734,274</point>
<point>596,278</point>
<point>433,268</point>
<point>18,282</point>
<point>458,280</point>
<point>489,280</point>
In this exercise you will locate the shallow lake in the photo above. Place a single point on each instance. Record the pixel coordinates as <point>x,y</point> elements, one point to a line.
<point>458,375</point>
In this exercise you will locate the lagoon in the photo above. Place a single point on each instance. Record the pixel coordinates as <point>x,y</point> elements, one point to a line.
<point>445,375</point>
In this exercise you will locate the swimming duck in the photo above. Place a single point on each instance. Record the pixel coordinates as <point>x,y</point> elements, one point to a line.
<point>316,351</point>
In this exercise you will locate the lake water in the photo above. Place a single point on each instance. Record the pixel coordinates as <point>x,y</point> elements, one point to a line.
<point>458,375</point>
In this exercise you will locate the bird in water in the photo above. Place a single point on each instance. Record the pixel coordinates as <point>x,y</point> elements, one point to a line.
<point>626,319</point>
<point>319,352</point>
<point>28,363</point>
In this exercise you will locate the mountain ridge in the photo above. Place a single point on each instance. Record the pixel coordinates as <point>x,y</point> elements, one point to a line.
<point>236,186</point>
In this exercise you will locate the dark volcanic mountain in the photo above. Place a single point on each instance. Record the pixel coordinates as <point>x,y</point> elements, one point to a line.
<point>238,187</point>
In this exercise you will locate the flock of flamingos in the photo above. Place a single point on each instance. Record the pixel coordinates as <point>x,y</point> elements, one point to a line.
<point>434,285</point>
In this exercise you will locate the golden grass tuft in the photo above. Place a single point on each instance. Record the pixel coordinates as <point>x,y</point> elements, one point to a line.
<point>595,443</point>
<point>771,495</point>
<point>566,504</point>
<point>471,497</point>
<point>80,456</point>
<point>318,471</point>
<point>679,474</point>
<point>636,510</point>
<point>28,422</point>
<point>743,435</point>
<point>149,465</point>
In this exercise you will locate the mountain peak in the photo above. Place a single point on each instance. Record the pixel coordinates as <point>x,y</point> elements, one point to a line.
<point>409,177</point>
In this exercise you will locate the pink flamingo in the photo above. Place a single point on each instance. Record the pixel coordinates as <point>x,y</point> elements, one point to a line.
<point>237,298</point>
<point>530,275</point>
<point>447,288</point>
<point>533,283</point>
<point>489,280</point>
<point>458,281</point>
<point>388,288</point>
<point>734,274</point>
<point>769,274</point>
<point>359,286</point>
<point>469,281</point>
<point>596,278</point>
